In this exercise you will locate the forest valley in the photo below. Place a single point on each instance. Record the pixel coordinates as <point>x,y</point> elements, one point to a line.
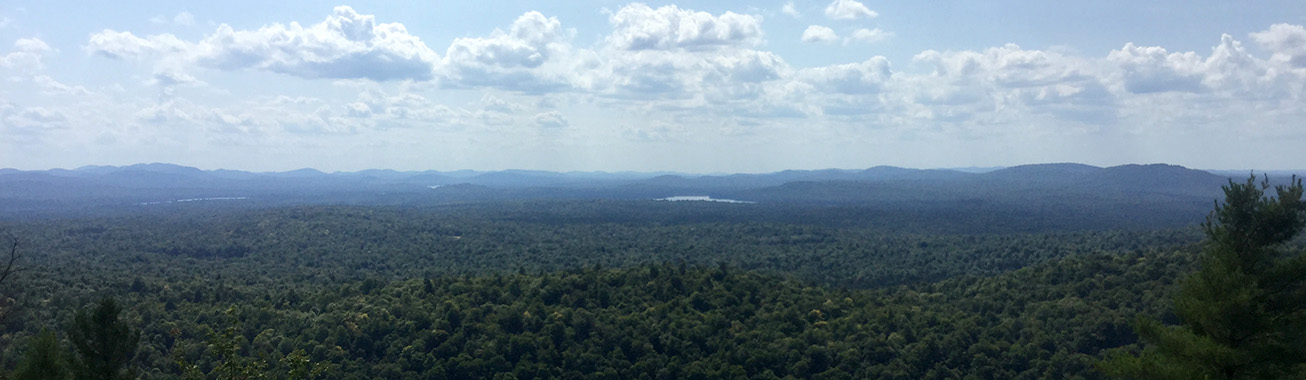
<point>630,289</point>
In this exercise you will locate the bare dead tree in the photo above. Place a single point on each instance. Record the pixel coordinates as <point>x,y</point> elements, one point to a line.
<point>7,270</point>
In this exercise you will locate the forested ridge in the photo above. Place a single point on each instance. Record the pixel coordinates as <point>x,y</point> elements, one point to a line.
<point>510,292</point>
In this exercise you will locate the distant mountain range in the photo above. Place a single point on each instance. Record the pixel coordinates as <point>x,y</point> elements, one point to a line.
<point>25,193</point>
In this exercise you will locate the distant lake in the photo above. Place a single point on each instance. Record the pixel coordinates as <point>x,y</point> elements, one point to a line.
<point>700,198</point>
<point>192,200</point>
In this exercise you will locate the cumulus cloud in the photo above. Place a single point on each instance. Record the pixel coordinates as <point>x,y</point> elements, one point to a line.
<point>1231,67</point>
<point>1286,41</point>
<point>683,74</point>
<point>868,35</point>
<point>819,34</point>
<point>1007,66</point>
<point>358,109</point>
<point>551,119</point>
<point>27,54</point>
<point>512,60</point>
<point>848,10</point>
<point>379,109</point>
<point>685,58</point>
<point>31,45</point>
<point>1007,83</point>
<point>639,27</point>
<point>125,45</point>
<point>690,77</point>
<point>789,9</point>
<point>525,45</point>
<point>865,77</point>
<point>495,104</point>
<point>1149,69</point>
<point>345,45</point>
<point>173,78</point>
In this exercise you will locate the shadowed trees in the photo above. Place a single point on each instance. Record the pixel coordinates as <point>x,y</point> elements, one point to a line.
<point>103,345</point>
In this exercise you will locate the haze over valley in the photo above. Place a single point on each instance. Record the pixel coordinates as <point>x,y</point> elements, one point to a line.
<point>1170,195</point>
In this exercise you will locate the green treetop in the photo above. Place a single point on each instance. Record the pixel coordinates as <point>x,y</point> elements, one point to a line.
<point>44,359</point>
<point>103,344</point>
<point>1243,313</point>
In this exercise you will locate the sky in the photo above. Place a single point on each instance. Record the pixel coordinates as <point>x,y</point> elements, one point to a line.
<point>708,87</point>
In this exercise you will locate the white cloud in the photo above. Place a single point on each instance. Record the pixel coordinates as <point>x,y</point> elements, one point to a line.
<point>526,45</point>
<point>51,86</point>
<point>687,79</point>
<point>345,45</point>
<point>819,34</point>
<point>30,123</point>
<point>183,19</point>
<point>400,110</point>
<point>358,109</point>
<point>865,77</point>
<point>639,27</point>
<point>180,19</point>
<point>125,45</point>
<point>493,103</point>
<point>673,75</point>
<point>551,119</point>
<point>848,10</point>
<point>1286,41</point>
<point>31,45</point>
<point>1231,67</point>
<point>1148,69</point>
<point>515,60</point>
<point>41,115</point>
<point>790,10</point>
<point>172,78</point>
<point>678,59</point>
<point>868,35</point>
<point>1006,66</point>
<point>243,123</point>
<point>1009,84</point>
<point>27,55</point>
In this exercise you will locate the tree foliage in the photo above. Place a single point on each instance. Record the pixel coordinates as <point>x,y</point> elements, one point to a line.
<point>44,359</point>
<point>508,291</point>
<point>1243,312</point>
<point>104,345</point>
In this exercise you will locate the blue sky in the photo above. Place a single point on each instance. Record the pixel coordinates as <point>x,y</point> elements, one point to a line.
<point>721,86</point>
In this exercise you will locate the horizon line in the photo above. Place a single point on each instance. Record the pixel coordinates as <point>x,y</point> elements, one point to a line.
<point>974,169</point>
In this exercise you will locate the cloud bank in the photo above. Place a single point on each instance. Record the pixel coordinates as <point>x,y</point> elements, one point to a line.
<point>347,45</point>
<point>652,75</point>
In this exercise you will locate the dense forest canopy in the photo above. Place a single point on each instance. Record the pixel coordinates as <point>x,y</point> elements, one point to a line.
<point>597,289</point>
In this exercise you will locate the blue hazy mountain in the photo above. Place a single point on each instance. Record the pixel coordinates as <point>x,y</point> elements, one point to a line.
<point>1155,187</point>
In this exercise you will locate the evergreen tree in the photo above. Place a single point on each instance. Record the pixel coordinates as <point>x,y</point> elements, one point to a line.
<point>1243,313</point>
<point>44,360</point>
<point>103,344</point>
